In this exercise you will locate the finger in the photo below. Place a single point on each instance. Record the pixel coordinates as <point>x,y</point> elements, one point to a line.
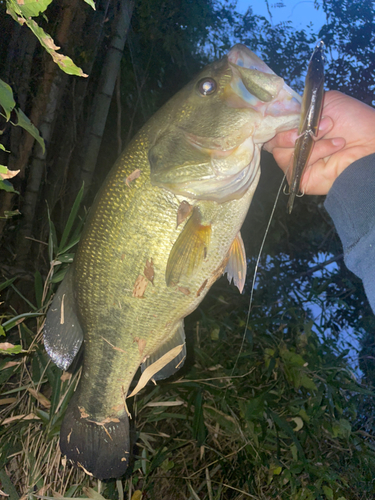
<point>283,157</point>
<point>317,179</point>
<point>288,139</point>
<point>282,140</point>
<point>326,147</point>
<point>320,174</point>
<point>325,125</point>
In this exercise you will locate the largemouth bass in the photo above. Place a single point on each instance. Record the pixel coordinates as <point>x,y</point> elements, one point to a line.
<point>163,228</point>
<point>312,104</point>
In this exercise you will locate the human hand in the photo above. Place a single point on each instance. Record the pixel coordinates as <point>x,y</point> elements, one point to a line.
<point>346,134</point>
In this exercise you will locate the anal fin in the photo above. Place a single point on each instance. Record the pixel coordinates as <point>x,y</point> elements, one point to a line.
<point>62,332</point>
<point>178,338</point>
<point>237,266</point>
<point>189,249</point>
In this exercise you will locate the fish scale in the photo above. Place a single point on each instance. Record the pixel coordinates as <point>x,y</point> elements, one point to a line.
<point>137,273</point>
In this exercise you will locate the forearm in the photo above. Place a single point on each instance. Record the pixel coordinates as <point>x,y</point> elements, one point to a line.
<point>351,204</point>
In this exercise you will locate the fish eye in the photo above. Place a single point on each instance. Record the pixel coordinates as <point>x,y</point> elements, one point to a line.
<point>206,86</point>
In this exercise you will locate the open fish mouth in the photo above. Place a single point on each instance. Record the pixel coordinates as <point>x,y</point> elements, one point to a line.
<point>260,88</point>
<point>276,107</point>
<point>225,160</point>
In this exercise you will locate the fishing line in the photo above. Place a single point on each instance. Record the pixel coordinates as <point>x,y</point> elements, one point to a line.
<point>256,271</point>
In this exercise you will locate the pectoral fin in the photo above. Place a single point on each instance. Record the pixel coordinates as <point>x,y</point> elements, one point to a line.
<point>189,250</point>
<point>177,339</point>
<point>236,267</point>
<point>63,333</point>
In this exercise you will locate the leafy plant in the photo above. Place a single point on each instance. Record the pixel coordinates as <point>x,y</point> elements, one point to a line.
<point>24,12</point>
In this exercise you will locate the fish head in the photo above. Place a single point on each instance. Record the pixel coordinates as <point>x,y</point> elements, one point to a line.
<point>214,128</point>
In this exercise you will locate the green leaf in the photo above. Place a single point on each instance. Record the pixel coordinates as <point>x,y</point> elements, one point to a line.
<point>64,62</point>
<point>18,319</point>
<point>328,492</point>
<point>22,13</point>
<point>291,358</point>
<point>16,349</point>
<point>276,470</point>
<point>6,100</point>
<point>70,245</point>
<point>225,421</point>
<point>306,382</point>
<point>65,258</point>
<point>71,219</point>
<point>7,486</point>
<point>30,304</point>
<point>343,429</point>
<point>38,284</point>
<point>6,283</point>
<point>199,429</point>
<point>28,8</point>
<point>283,424</point>
<point>24,122</point>
<point>299,423</point>
<point>255,408</point>
<point>60,275</point>
<point>91,3</point>
<point>94,495</point>
<point>7,186</point>
<point>11,213</point>
<point>52,239</point>
<point>43,415</point>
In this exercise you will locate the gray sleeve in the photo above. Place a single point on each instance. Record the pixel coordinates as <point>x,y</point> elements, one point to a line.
<point>351,204</point>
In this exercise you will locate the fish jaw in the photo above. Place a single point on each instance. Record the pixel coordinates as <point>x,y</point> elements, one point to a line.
<point>223,155</point>
<point>281,111</point>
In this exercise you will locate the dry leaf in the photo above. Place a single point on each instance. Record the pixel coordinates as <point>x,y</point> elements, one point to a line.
<point>43,490</point>
<point>202,287</point>
<point>39,397</point>
<point>108,420</point>
<point>137,495</point>
<point>83,412</point>
<point>6,345</point>
<point>164,403</point>
<point>65,376</point>
<point>140,286</point>
<point>84,470</point>
<point>134,175</point>
<point>62,320</point>
<point>156,367</point>
<point>141,344</point>
<point>10,363</point>
<point>9,174</point>
<point>30,416</point>
<point>114,347</point>
<point>7,401</point>
<point>183,212</point>
<point>149,270</point>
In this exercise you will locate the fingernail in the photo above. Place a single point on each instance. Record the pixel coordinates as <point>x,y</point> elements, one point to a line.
<point>337,141</point>
<point>321,123</point>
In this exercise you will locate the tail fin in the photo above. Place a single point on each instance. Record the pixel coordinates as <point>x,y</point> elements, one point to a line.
<point>101,449</point>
